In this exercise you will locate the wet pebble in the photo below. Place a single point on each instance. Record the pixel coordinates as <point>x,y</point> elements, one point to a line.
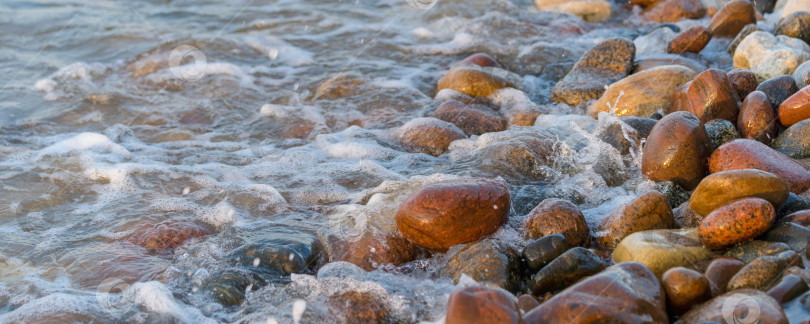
<point>481,59</point>
<point>661,250</point>
<point>787,288</point>
<point>543,250</point>
<point>676,195</point>
<point>794,235</point>
<point>487,260</point>
<point>778,89</point>
<point>719,189</point>
<point>736,222</point>
<point>642,94</point>
<point>716,311</point>
<point>796,25</point>
<point>557,216</point>
<point>795,141</point>
<point>686,217</point>
<point>720,271</point>
<point>757,119</point>
<point>565,270</point>
<point>592,11</point>
<point>692,40</point>
<point>371,249</point>
<point>279,252</point>
<point>474,80</point>
<point>760,273</point>
<point>428,135</point>
<point>164,237</point>
<point>482,305</point>
<point>527,302</point>
<point>750,154</point>
<point>642,125</point>
<point>748,251</point>
<point>731,19</point>
<point>685,288</point>
<point>747,30</point>
<point>709,96</point>
<point>228,288</point>
<point>651,60</point>
<point>602,65</point>
<point>720,132</point>
<point>801,217</point>
<point>770,56</point>
<point>793,204</point>
<point>359,307</point>
<point>472,119</point>
<point>676,150</point>
<point>650,210</point>
<point>744,81</point>
<point>674,10</point>
<point>796,108</point>
<point>802,75</point>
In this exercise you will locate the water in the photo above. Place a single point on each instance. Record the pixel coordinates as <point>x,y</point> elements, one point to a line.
<point>259,120</point>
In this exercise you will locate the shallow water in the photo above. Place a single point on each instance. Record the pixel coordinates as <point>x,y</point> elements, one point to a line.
<point>260,120</point>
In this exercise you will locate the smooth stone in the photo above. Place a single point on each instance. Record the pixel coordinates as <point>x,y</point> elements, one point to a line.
<point>565,270</point>
<point>359,307</point>
<point>736,222</point>
<point>793,204</point>
<point>661,250</point>
<point>544,250</point>
<point>163,238</point>
<point>648,211</point>
<point>795,141</point>
<point>474,80</point>
<point>592,11</point>
<point>720,271</point>
<point>643,3</point>
<point>676,195</point>
<point>802,75</point>
<point>618,135</point>
<point>731,19</point>
<point>341,85</point>
<point>557,216</point>
<point>676,150</point>
<point>674,10</point>
<point>488,260</point>
<point>796,25</point>
<point>642,125</point>
<point>527,302</point>
<point>520,157</point>
<point>686,217</point>
<point>801,217</point>
<point>602,65</point>
<point>716,311</point>
<point>778,89</point>
<point>627,292</point>
<point>649,61</point>
<point>788,288</point>
<point>692,40</point>
<point>482,305</point>
<point>371,249</point>
<point>748,251</point>
<point>770,56</point>
<point>481,59</point>
<point>547,60</point>
<point>428,135</point>
<point>280,252</point>
<point>747,30</point>
<point>794,235</point>
<point>472,119</point>
<point>451,212</point>
<point>759,274</point>
<point>744,81</point>
<point>685,288</point>
<point>720,132</point>
<point>722,188</point>
<point>228,288</point>
<point>757,119</point>
<point>792,6</point>
<point>796,108</point>
<point>644,93</point>
<point>709,96</point>
<point>750,154</point>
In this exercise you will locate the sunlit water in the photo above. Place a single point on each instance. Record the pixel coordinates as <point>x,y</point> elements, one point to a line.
<point>118,114</point>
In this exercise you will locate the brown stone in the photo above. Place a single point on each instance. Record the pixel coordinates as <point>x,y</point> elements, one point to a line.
<point>627,292</point>
<point>648,211</point>
<point>674,10</point>
<point>341,85</point>
<point>788,288</point>
<point>757,120</point>
<point>474,80</point>
<point>732,18</point>
<point>554,216</point>
<point>643,3</point>
<point>642,94</point>
<point>482,305</point>
<point>371,250</point>
<point>685,288</point>
<point>724,187</point>
<point>744,81</point>
<point>692,40</point>
<point>602,65</point>
<point>801,217</point>
<point>527,302</point>
<point>360,307</point>
<point>481,59</point>
<point>488,260</point>
<point>736,222</point>
<point>447,213</point>
<point>716,311</point>
<point>720,271</point>
<point>428,135</point>
<point>676,150</point>
<point>750,154</point>
<point>758,274</point>
<point>661,250</point>
<point>472,119</point>
<point>796,108</point>
<point>709,96</point>
<point>165,237</point>
<point>778,89</point>
<point>686,217</point>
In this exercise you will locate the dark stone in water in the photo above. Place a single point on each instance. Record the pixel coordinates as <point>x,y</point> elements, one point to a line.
<point>751,250</point>
<point>788,288</point>
<point>676,194</point>
<point>566,270</point>
<point>779,89</point>
<point>550,61</point>
<point>229,288</point>
<point>721,131</point>
<point>544,250</point>
<point>642,125</point>
<point>762,272</point>
<point>279,252</point>
<point>795,141</point>
<point>796,25</point>
<point>487,260</point>
<point>608,62</point>
<point>359,307</point>
<point>525,198</point>
<point>795,236</point>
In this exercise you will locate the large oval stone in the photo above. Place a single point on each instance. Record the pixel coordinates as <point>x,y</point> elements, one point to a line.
<point>648,211</point>
<point>724,187</point>
<point>482,305</point>
<point>447,213</point>
<point>709,96</point>
<point>557,216</point>
<point>736,222</point>
<point>661,250</point>
<point>685,288</point>
<point>796,108</point>
<point>676,150</point>
<point>770,56</point>
<point>472,119</point>
<point>428,135</point>
<point>757,119</point>
<point>643,93</point>
<point>692,40</point>
<point>487,260</point>
<point>474,80</point>
<point>750,154</point>
<point>732,18</point>
<point>604,64</point>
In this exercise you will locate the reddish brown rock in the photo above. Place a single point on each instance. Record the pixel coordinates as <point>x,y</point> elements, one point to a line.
<point>648,211</point>
<point>473,80</point>
<point>341,85</point>
<point>472,119</point>
<point>447,213</point>
<point>685,288</point>
<point>736,222</point>
<point>796,108</point>
<point>709,96</point>
<point>527,302</point>
<point>557,216</point>
<point>744,81</point>
<point>359,307</point>
<point>627,292</point>
<point>674,10</point>
<point>165,237</point>
<point>788,288</point>
<point>482,305</point>
<point>720,271</point>
<point>428,135</point>
<point>717,311</point>
<point>371,250</point>
<point>757,119</point>
<point>604,64</point>
<point>750,154</point>
<point>730,20</point>
<point>724,187</point>
<point>676,150</point>
<point>481,59</point>
<point>692,40</point>
<point>801,217</point>
<point>643,3</point>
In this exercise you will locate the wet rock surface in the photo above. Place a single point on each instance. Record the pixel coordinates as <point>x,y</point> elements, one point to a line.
<point>794,141</point>
<point>482,305</point>
<point>721,188</point>
<point>676,150</point>
<point>770,56</point>
<point>544,250</point>
<point>736,222</point>
<point>567,269</point>
<point>661,250</point>
<point>757,119</point>
<point>556,216</point>
<point>795,108</point>
<point>602,65</point>
<point>709,96</point>
<point>486,261</point>
<point>428,135</point>
<point>648,211</point>
<point>642,94</point>
<point>750,154</point>
<point>731,19</point>
<point>685,288</point>
<point>472,119</point>
<point>691,40</point>
<point>720,132</point>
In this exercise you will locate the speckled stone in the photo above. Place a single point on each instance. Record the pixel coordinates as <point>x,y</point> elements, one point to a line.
<point>451,212</point>
<point>692,40</point>
<point>557,216</point>
<point>650,210</point>
<point>428,135</point>
<point>757,119</point>
<point>543,250</point>
<point>676,195</point>
<point>760,273</point>
<point>709,96</point>
<point>750,154</point>
<point>473,80</point>
<point>661,250</point>
<point>602,65</point>
<point>796,108</point>
<point>778,89</point>
<point>712,311</point>
<point>747,30</point>
<point>481,59</point>
<point>730,20</point>
<point>685,288</point>
<point>472,119</point>
<point>565,270</point>
<point>721,188</point>
<point>720,132</point>
<point>743,80</point>
<point>748,251</point>
<point>676,150</point>
<point>795,141</point>
<point>674,10</point>
<point>736,222</point>
<point>788,288</point>
<point>370,250</point>
<point>488,260</point>
<point>796,25</point>
<point>482,305</point>
<point>719,272</point>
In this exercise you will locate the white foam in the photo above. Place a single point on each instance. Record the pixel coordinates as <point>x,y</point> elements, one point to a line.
<point>86,141</point>
<point>277,49</point>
